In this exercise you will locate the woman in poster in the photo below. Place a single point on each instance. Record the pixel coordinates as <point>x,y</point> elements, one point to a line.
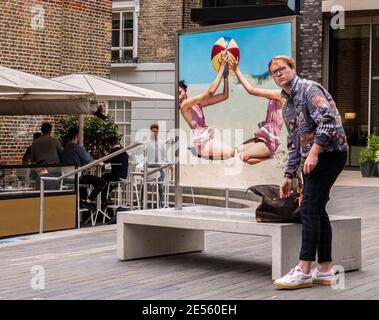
<point>267,138</point>
<point>192,110</point>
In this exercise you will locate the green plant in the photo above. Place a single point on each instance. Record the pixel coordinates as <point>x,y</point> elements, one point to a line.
<point>96,133</point>
<point>377,156</point>
<point>367,155</point>
<point>373,142</point>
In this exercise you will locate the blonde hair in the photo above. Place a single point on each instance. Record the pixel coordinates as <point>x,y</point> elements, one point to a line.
<point>288,60</point>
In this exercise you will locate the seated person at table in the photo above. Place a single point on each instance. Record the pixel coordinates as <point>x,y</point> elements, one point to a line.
<point>26,156</point>
<point>46,149</point>
<point>73,153</point>
<point>119,165</point>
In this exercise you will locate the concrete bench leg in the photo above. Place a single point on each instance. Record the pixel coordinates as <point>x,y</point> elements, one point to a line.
<point>286,242</point>
<point>346,246</point>
<point>142,241</point>
<point>347,249</point>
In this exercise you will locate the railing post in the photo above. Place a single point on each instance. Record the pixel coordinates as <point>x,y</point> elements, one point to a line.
<point>145,178</point>
<point>78,198</point>
<point>41,204</point>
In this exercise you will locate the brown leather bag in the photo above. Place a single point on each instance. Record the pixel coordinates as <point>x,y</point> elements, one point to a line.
<point>274,209</point>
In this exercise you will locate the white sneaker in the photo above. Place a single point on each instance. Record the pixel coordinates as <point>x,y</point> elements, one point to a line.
<point>324,278</point>
<point>295,279</point>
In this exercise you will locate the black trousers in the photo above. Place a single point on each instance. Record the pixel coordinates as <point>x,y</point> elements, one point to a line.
<point>97,183</point>
<point>316,228</point>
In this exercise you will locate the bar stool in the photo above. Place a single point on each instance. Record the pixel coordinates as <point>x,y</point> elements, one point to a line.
<point>122,194</point>
<point>136,183</point>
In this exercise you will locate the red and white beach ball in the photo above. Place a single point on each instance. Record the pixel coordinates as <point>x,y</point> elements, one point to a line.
<point>224,43</point>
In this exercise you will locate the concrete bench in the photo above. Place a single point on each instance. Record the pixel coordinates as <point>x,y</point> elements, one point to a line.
<point>149,233</point>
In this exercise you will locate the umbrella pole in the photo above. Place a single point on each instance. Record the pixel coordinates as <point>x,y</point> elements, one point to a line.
<point>81,130</point>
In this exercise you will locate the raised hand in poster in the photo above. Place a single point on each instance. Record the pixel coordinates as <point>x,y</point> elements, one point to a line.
<point>206,145</point>
<point>264,144</point>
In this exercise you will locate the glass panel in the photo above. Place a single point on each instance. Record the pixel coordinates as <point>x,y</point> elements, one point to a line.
<point>128,38</point>
<point>120,115</point>
<point>115,56</point>
<point>115,38</point>
<point>116,20</point>
<point>375,51</point>
<point>349,63</point>
<point>110,105</point>
<point>127,55</point>
<point>127,20</point>
<point>128,115</point>
<point>375,81</point>
<point>111,114</point>
<point>26,180</point>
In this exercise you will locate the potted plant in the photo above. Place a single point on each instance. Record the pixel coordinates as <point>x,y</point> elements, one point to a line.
<point>377,160</point>
<point>367,161</point>
<point>373,143</point>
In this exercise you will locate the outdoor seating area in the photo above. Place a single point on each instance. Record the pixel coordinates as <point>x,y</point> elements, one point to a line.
<point>22,93</point>
<point>209,150</point>
<point>127,195</point>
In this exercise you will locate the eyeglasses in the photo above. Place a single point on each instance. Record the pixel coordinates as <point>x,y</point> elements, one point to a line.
<point>279,70</point>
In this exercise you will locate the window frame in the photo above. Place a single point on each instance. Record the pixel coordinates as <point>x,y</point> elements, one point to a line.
<point>127,107</point>
<point>120,48</point>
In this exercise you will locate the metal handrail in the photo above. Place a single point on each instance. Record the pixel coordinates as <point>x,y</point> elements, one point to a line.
<point>145,174</point>
<point>74,172</point>
<point>166,165</point>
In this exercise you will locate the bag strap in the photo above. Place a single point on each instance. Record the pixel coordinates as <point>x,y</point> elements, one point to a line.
<point>299,188</point>
<point>299,181</point>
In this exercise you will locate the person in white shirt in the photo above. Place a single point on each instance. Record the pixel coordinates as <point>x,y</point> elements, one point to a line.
<point>156,153</point>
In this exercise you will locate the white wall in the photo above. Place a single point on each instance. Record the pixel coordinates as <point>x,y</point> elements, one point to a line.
<point>155,76</point>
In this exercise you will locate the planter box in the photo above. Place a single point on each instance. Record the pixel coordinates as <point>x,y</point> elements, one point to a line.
<point>374,170</point>
<point>367,169</point>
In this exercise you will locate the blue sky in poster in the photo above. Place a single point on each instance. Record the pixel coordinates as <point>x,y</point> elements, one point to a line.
<point>257,45</point>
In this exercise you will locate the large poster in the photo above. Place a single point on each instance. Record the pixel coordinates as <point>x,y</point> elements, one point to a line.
<point>230,137</point>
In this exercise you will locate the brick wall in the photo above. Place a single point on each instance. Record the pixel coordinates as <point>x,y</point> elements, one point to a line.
<point>157,25</point>
<point>188,5</point>
<point>309,64</point>
<point>76,37</point>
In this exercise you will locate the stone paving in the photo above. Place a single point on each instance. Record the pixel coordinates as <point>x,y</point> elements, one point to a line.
<point>82,264</point>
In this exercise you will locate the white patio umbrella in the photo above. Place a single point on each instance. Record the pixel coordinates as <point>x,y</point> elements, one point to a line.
<point>110,90</point>
<point>22,93</point>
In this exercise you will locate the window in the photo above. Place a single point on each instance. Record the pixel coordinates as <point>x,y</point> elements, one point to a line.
<point>349,83</point>
<point>123,37</point>
<point>120,112</point>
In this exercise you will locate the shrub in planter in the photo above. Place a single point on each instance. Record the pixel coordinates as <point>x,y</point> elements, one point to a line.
<point>373,142</point>
<point>96,133</point>
<point>367,161</point>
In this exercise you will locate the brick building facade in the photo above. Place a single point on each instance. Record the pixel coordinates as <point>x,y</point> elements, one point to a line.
<point>310,47</point>
<point>157,25</point>
<point>50,38</point>
<point>159,20</point>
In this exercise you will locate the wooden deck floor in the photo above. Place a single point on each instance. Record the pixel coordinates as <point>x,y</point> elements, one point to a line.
<point>82,264</point>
